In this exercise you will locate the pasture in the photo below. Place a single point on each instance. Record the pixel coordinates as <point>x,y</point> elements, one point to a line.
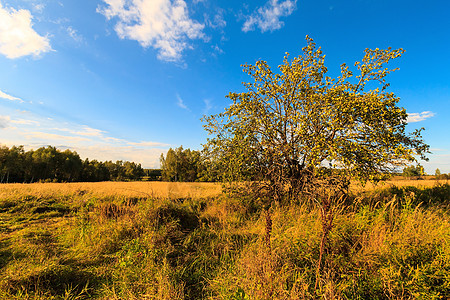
<point>158,240</point>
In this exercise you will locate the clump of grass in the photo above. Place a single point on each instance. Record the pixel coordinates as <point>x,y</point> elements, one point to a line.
<point>394,250</point>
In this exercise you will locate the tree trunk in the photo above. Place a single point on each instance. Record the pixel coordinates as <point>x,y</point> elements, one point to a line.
<point>268,230</point>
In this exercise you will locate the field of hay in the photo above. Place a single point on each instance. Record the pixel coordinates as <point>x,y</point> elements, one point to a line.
<point>157,240</point>
<point>356,186</point>
<point>152,189</point>
<point>157,189</point>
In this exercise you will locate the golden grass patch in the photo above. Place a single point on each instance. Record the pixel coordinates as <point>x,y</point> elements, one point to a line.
<point>155,189</point>
<point>358,187</point>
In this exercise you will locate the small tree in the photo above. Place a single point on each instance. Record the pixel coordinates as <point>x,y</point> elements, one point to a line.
<point>294,128</point>
<point>413,171</point>
<point>437,173</point>
<point>181,165</point>
<point>300,132</point>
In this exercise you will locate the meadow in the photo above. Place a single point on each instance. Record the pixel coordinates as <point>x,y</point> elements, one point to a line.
<point>158,240</point>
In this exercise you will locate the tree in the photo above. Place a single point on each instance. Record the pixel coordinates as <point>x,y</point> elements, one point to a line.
<point>169,166</point>
<point>153,174</point>
<point>50,164</point>
<point>294,128</point>
<point>437,173</point>
<point>413,171</point>
<point>133,171</point>
<point>71,166</point>
<point>181,165</point>
<point>11,164</point>
<point>301,133</point>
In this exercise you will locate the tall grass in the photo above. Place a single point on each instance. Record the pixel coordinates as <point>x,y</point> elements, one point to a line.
<point>153,189</point>
<point>82,241</point>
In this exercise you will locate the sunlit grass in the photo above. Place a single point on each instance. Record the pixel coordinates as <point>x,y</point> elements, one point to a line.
<point>357,186</point>
<point>153,189</point>
<point>158,189</point>
<point>186,241</point>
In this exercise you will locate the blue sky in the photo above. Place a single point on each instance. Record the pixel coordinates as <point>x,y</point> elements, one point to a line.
<point>127,79</point>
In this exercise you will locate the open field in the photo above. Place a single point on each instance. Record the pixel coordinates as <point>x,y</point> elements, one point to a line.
<point>156,240</point>
<point>356,186</point>
<point>157,189</point>
<point>153,189</point>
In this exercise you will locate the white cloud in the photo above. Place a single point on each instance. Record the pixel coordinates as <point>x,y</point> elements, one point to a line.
<point>17,37</point>
<point>217,49</point>
<point>38,7</point>
<point>113,140</point>
<point>417,117</point>
<point>208,106</point>
<point>218,21</point>
<point>52,138</point>
<point>26,122</point>
<point>73,33</point>
<point>149,144</point>
<point>34,131</point>
<point>9,97</point>
<point>180,103</point>
<point>4,121</point>
<point>82,131</point>
<point>87,131</point>
<point>267,18</point>
<point>161,24</point>
<point>148,158</point>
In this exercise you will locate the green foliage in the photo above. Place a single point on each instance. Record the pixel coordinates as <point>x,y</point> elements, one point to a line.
<point>413,171</point>
<point>52,165</point>
<point>288,125</point>
<point>153,174</point>
<point>182,165</point>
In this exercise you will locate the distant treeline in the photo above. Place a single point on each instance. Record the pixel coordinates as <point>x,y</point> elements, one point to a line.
<point>51,164</point>
<point>187,165</point>
<point>191,165</point>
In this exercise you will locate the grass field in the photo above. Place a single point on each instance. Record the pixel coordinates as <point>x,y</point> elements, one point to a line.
<point>156,240</point>
<point>152,189</point>
<point>157,189</point>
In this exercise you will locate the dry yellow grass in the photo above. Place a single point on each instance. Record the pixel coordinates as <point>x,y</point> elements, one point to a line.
<point>156,189</point>
<point>111,188</point>
<point>356,186</point>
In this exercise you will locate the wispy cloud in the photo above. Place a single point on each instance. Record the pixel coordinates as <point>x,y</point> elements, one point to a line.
<point>148,157</point>
<point>25,122</point>
<point>164,25</point>
<point>52,138</point>
<point>17,36</point>
<point>149,144</point>
<point>4,121</point>
<point>88,131</point>
<point>180,103</point>
<point>9,97</point>
<point>38,7</point>
<point>208,106</point>
<point>34,131</point>
<point>218,21</point>
<point>267,18</point>
<point>217,50</point>
<point>73,33</point>
<point>82,130</point>
<point>417,117</point>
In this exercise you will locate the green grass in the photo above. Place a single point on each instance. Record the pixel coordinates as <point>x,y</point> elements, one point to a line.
<point>391,243</point>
